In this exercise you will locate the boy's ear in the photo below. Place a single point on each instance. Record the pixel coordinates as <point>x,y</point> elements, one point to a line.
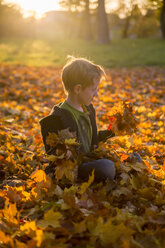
<point>77,88</point>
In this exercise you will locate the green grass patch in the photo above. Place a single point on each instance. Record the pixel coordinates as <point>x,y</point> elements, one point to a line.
<point>119,53</point>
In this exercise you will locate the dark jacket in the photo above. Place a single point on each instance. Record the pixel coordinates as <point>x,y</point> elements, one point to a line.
<point>60,119</point>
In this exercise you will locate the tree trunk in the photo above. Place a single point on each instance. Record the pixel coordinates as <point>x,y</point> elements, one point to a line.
<point>87,23</point>
<point>162,19</point>
<point>103,30</point>
<point>126,27</point>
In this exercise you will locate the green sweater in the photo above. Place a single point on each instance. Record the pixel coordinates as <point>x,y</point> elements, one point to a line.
<point>84,126</point>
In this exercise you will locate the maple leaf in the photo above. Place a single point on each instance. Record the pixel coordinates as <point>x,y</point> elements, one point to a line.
<point>52,139</point>
<point>54,158</point>
<point>71,141</point>
<point>6,239</point>
<point>51,218</point>
<point>85,185</point>
<point>69,197</point>
<point>29,228</point>
<point>111,121</point>
<point>39,176</point>
<point>80,226</point>
<point>110,233</point>
<point>67,168</point>
<point>20,244</point>
<point>124,157</point>
<point>10,214</point>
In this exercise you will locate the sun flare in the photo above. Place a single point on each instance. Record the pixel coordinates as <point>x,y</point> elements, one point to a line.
<point>39,7</point>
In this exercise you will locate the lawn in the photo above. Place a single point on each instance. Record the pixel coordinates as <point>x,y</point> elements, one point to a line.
<point>119,53</point>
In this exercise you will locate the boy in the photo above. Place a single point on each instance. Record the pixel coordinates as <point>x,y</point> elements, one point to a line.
<point>80,78</point>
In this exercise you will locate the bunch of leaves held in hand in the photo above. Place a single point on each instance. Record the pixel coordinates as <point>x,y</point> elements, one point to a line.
<point>62,153</point>
<point>62,142</point>
<point>124,120</point>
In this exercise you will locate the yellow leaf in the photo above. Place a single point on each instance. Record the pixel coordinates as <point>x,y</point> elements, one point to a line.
<point>163,108</point>
<point>160,123</point>
<point>59,172</point>
<point>110,233</point>
<point>67,168</point>
<point>39,237</point>
<point>141,109</point>
<point>26,195</point>
<point>53,158</point>
<point>51,139</point>
<point>80,227</point>
<point>135,182</point>
<point>146,193</point>
<point>51,218</point>
<point>5,239</point>
<point>10,213</point>
<point>85,185</point>
<point>71,141</point>
<point>28,227</point>
<point>20,244</point>
<point>163,182</point>
<point>31,230</point>
<point>35,107</point>
<point>128,143</point>
<point>70,174</point>
<point>39,176</point>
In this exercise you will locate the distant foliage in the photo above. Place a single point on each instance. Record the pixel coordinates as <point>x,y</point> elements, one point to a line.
<point>85,20</point>
<point>147,26</point>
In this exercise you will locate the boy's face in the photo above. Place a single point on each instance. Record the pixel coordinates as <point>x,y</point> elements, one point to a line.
<point>87,94</point>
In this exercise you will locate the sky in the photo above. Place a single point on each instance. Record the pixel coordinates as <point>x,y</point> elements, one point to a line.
<point>41,6</point>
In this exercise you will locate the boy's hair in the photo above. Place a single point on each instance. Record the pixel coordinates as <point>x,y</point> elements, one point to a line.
<point>80,71</point>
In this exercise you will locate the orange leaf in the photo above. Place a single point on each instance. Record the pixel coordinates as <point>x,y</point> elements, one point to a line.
<point>124,157</point>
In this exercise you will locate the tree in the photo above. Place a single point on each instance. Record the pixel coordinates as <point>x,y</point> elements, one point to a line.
<point>130,10</point>
<point>160,5</point>
<point>162,17</point>
<point>11,20</point>
<point>103,30</point>
<point>85,23</point>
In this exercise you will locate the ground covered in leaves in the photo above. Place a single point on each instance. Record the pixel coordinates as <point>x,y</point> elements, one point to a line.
<point>36,211</point>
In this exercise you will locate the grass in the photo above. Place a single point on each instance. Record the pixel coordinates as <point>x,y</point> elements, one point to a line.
<point>119,53</point>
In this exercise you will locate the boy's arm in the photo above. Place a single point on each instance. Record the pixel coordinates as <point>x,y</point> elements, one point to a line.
<point>103,135</point>
<point>50,124</point>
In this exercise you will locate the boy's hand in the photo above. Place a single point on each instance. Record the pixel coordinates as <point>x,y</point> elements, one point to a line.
<point>69,154</point>
<point>115,130</point>
<point>113,126</point>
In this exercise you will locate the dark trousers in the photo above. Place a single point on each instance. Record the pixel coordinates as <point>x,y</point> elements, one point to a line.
<point>103,168</point>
